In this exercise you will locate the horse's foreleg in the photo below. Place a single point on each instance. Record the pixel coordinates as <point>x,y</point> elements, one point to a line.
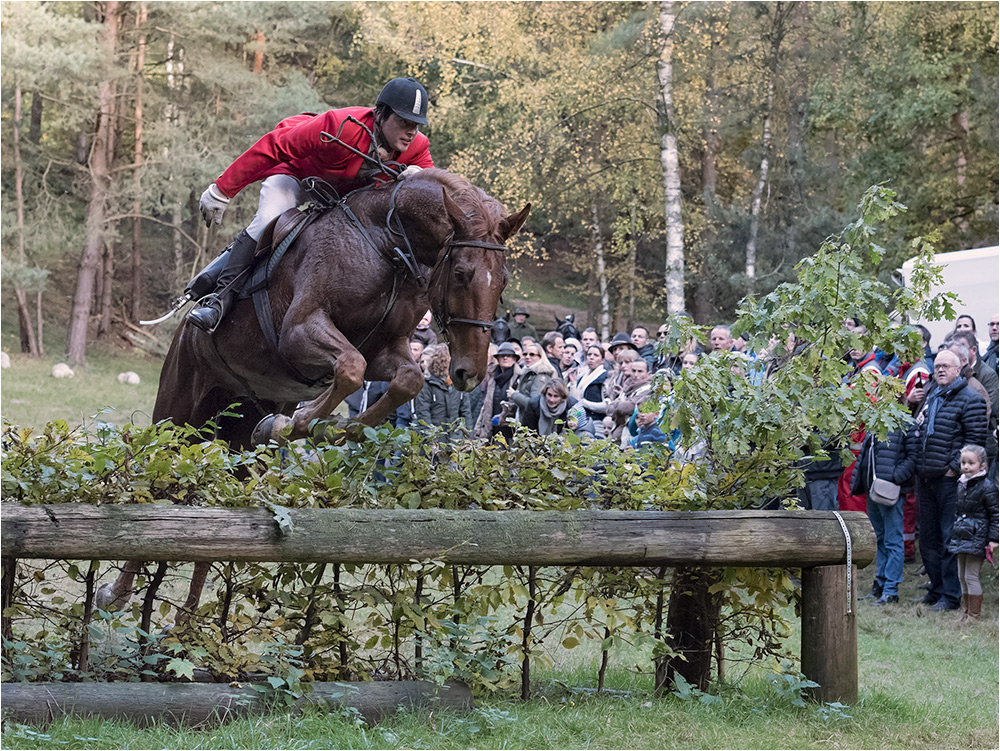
<point>198,579</point>
<point>314,341</point>
<point>405,382</point>
<point>116,595</point>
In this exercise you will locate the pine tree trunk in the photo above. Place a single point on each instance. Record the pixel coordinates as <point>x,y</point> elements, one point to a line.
<point>258,54</point>
<point>797,123</point>
<point>602,275</point>
<point>29,344</point>
<point>175,117</point>
<point>39,324</point>
<point>107,291</point>
<point>674,273</point>
<point>35,127</point>
<point>90,259</point>
<point>140,64</point>
<point>632,262</point>
<point>960,121</point>
<point>704,308</point>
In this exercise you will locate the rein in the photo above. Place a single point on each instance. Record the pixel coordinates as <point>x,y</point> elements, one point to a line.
<point>405,261</point>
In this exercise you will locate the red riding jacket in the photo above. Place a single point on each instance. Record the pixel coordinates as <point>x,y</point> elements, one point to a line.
<point>295,147</point>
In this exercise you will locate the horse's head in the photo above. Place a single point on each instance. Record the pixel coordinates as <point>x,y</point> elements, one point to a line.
<point>470,272</point>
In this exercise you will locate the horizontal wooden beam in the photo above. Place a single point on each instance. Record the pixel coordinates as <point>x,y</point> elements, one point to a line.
<point>161,532</point>
<point>198,703</point>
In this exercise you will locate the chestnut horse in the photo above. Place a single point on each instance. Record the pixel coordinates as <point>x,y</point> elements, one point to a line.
<point>345,300</point>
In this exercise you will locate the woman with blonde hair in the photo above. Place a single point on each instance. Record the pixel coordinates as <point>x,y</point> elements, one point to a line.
<point>554,410</point>
<point>528,385</point>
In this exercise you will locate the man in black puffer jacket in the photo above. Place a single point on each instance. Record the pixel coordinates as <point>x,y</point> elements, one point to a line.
<point>952,416</point>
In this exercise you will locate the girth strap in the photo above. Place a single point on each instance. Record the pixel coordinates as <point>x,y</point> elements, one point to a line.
<point>262,301</point>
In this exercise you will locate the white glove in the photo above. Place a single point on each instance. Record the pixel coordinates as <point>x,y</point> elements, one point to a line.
<point>411,170</point>
<point>213,205</point>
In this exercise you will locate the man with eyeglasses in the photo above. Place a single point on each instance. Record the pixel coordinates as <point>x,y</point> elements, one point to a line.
<point>952,416</point>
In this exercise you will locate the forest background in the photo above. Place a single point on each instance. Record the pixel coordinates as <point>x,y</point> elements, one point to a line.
<point>678,156</point>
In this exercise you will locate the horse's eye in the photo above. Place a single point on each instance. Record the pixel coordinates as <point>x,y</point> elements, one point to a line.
<point>462,276</point>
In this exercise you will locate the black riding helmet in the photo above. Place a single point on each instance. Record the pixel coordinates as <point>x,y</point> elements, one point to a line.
<point>406,98</point>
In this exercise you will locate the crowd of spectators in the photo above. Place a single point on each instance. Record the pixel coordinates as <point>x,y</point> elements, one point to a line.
<point>942,465</point>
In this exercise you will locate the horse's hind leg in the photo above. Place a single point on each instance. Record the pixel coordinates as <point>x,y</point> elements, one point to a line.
<point>198,579</point>
<point>116,595</point>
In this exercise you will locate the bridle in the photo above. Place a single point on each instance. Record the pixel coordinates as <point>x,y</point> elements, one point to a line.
<point>404,261</point>
<point>444,319</point>
<point>443,266</point>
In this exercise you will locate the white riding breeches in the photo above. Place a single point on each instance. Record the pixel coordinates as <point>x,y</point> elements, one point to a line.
<point>278,193</point>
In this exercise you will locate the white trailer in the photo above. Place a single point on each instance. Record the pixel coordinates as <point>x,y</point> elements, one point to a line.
<point>974,275</point>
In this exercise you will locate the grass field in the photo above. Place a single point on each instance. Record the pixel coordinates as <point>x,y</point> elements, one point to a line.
<point>925,682</point>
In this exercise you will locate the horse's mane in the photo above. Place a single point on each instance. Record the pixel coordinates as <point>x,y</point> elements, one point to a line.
<point>484,211</point>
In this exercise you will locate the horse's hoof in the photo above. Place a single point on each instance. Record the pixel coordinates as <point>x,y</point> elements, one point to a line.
<point>105,599</point>
<point>269,429</point>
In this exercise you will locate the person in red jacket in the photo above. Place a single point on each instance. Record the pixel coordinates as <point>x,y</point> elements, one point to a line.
<point>311,145</point>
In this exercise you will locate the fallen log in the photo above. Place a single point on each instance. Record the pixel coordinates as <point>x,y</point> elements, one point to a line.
<point>161,532</point>
<point>188,704</point>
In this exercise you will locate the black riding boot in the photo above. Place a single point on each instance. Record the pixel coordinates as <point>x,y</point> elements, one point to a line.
<point>213,307</point>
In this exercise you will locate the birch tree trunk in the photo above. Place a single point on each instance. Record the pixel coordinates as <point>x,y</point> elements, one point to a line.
<point>76,345</point>
<point>29,343</point>
<point>674,274</point>
<point>602,275</point>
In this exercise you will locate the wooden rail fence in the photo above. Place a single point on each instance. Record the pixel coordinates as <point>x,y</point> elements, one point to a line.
<point>815,541</point>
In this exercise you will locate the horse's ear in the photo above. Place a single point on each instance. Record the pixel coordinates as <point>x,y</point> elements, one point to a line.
<point>455,212</point>
<point>511,224</point>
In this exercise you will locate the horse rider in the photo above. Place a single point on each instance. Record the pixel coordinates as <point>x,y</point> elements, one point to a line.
<point>301,147</point>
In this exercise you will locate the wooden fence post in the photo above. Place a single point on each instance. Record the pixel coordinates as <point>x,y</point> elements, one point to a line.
<point>830,634</point>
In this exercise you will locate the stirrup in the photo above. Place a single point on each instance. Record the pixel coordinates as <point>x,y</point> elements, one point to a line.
<point>211,301</point>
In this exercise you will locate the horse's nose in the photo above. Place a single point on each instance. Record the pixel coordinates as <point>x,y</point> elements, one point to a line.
<point>461,378</point>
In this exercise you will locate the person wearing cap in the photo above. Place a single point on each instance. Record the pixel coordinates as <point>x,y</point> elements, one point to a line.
<point>624,353</point>
<point>310,145</point>
<point>521,328</point>
<point>492,416</point>
<point>619,341</point>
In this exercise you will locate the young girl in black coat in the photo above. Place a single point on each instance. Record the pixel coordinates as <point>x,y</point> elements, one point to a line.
<point>976,527</point>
